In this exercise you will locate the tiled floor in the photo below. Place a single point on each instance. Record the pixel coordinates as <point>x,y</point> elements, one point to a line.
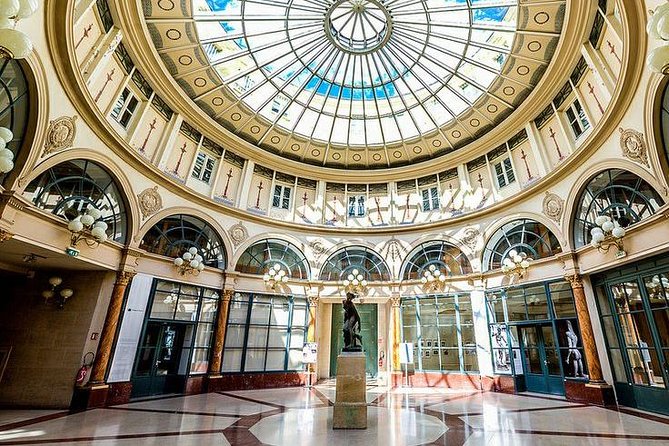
<point>301,417</point>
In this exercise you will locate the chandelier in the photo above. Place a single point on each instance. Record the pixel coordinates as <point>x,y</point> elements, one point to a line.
<point>6,155</point>
<point>15,44</point>
<point>87,227</point>
<point>59,299</point>
<point>275,275</point>
<point>355,282</point>
<point>190,262</point>
<point>516,264</point>
<point>606,234</point>
<point>658,28</point>
<point>433,278</point>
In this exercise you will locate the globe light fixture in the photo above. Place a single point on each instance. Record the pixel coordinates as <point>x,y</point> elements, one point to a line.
<point>58,298</point>
<point>433,278</point>
<point>516,264</point>
<point>276,274</point>
<point>658,28</point>
<point>15,44</point>
<point>6,155</point>
<point>89,228</point>
<point>355,282</point>
<point>190,262</point>
<point>606,234</point>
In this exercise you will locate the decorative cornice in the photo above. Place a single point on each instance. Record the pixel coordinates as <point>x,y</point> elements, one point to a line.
<point>124,277</point>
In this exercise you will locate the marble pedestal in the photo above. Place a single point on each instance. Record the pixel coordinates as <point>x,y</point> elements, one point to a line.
<point>350,409</point>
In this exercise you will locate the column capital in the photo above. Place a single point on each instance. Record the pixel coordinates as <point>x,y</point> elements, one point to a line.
<point>5,235</point>
<point>313,300</point>
<point>395,301</point>
<point>575,280</point>
<point>227,295</point>
<point>124,277</point>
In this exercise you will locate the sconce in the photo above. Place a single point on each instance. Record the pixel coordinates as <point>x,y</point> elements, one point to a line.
<point>355,282</point>
<point>89,228</point>
<point>606,234</point>
<point>516,264</point>
<point>190,262</point>
<point>658,28</point>
<point>62,296</point>
<point>6,155</point>
<point>15,44</point>
<point>275,275</point>
<point>433,278</point>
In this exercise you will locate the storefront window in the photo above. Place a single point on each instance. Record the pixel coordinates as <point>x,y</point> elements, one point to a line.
<point>264,333</point>
<point>442,331</point>
<point>550,307</point>
<point>195,306</point>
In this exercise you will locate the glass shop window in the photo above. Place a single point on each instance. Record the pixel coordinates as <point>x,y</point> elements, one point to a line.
<point>265,333</point>
<point>125,107</point>
<point>442,331</point>
<point>577,119</point>
<point>430,197</point>
<point>504,172</point>
<point>281,198</point>
<point>204,167</point>
<point>356,206</point>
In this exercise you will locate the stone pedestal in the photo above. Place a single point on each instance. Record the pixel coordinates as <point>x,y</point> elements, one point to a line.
<point>350,409</point>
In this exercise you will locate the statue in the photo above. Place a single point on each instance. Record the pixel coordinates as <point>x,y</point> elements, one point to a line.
<point>574,355</point>
<point>351,326</point>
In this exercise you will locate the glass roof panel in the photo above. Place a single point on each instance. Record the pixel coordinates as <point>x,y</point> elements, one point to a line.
<point>357,72</point>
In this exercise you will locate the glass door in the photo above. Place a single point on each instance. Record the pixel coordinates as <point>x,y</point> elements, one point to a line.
<point>368,320</point>
<point>159,359</point>
<point>541,360</point>
<point>638,340</point>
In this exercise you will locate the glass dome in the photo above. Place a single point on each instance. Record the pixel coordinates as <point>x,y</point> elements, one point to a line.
<point>357,72</point>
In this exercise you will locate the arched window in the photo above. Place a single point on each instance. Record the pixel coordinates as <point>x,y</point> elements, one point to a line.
<point>174,235</point>
<point>265,253</point>
<point>69,188</point>
<point>14,103</point>
<point>524,235</point>
<point>620,194</point>
<point>366,261</point>
<point>443,256</point>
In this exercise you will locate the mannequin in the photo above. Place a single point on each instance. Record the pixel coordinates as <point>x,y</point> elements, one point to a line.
<point>574,356</point>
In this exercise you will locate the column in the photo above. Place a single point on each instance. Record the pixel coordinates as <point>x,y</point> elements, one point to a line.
<point>396,333</point>
<point>109,329</point>
<point>219,333</point>
<point>311,334</point>
<point>587,335</point>
<point>245,183</point>
<point>97,60</point>
<point>538,149</point>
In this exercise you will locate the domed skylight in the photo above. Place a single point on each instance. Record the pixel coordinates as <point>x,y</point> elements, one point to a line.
<point>357,72</point>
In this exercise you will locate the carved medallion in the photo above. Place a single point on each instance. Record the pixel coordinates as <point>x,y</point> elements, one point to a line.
<point>150,201</point>
<point>471,238</point>
<point>633,146</point>
<point>317,247</point>
<point>553,207</point>
<point>60,134</point>
<point>238,233</point>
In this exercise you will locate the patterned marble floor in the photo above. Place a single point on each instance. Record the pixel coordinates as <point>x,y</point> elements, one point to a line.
<point>301,417</point>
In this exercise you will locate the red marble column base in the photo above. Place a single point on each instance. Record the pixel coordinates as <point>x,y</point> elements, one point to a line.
<point>89,397</point>
<point>502,383</point>
<point>597,394</point>
<point>459,381</point>
<point>195,384</point>
<point>251,381</point>
<point>119,393</point>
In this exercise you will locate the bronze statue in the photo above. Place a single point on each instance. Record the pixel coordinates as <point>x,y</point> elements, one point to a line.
<point>351,327</point>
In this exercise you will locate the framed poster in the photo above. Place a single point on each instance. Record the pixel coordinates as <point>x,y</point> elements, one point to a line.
<point>4,359</point>
<point>310,353</point>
